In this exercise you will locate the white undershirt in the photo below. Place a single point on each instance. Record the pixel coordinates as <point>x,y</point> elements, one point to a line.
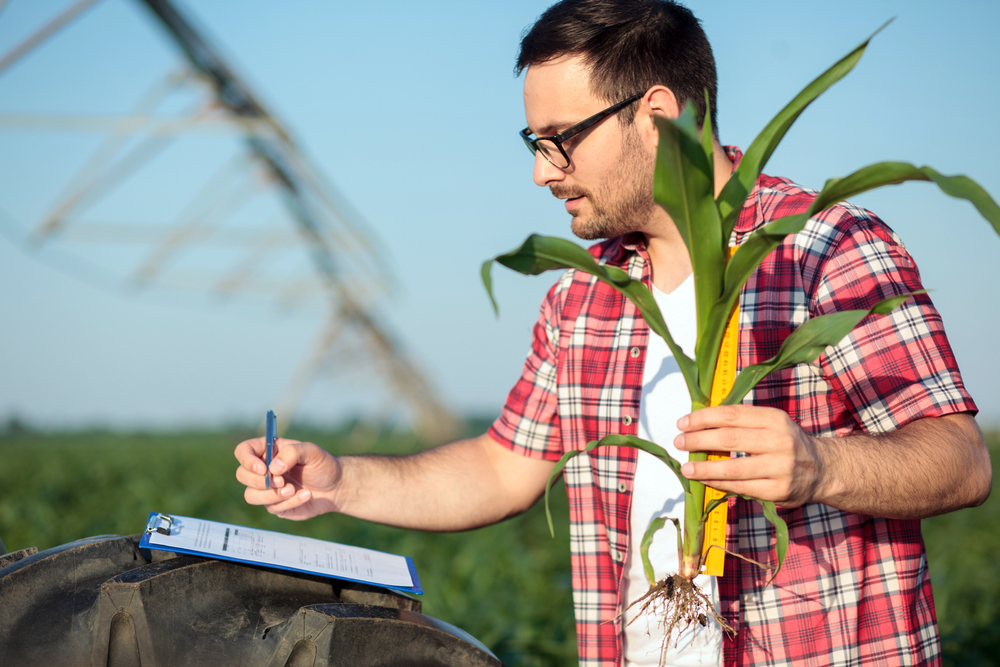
<point>657,492</point>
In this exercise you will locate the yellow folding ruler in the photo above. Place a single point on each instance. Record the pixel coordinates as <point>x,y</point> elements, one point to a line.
<point>725,376</point>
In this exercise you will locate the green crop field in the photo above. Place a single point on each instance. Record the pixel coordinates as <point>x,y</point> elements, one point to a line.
<point>508,584</point>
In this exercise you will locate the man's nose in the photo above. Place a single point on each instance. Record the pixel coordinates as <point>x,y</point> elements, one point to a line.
<point>545,172</point>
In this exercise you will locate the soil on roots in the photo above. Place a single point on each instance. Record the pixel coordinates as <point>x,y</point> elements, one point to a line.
<point>677,604</point>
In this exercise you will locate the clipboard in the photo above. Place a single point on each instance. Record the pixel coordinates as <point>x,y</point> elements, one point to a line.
<point>212,539</point>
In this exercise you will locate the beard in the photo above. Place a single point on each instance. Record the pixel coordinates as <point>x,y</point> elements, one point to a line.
<point>623,203</point>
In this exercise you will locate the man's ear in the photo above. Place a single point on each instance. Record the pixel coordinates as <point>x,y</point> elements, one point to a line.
<point>663,102</point>
<point>659,101</point>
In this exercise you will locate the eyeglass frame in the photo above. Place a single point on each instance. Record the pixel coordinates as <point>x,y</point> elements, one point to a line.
<point>572,131</point>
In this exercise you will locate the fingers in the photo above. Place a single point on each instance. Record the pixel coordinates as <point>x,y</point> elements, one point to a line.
<point>754,476</point>
<point>285,456</point>
<point>781,463</point>
<point>284,502</point>
<point>249,453</point>
<point>734,416</point>
<point>281,496</point>
<point>278,499</point>
<point>254,478</point>
<point>299,471</point>
<point>734,428</point>
<point>741,468</point>
<point>288,454</point>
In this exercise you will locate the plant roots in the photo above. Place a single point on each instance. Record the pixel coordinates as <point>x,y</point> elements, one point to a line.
<point>678,604</point>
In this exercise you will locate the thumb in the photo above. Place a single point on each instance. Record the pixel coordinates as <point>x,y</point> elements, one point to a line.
<point>288,454</point>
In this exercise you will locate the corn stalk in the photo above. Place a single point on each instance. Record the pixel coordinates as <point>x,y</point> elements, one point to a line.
<point>684,186</point>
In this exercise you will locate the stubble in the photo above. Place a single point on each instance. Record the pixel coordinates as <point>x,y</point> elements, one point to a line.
<point>623,203</point>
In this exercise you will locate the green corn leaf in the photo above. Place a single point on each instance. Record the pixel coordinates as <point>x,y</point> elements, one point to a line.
<point>616,440</point>
<point>892,173</point>
<point>684,186</point>
<point>712,504</point>
<point>647,539</point>
<point>771,514</point>
<point>619,440</point>
<point>742,181</point>
<point>543,253</point>
<point>707,145</point>
<point>755,248</point>
<point>806,343</point>
<point>963,187</point>
<point>683,174</point>
<point>780,533</point>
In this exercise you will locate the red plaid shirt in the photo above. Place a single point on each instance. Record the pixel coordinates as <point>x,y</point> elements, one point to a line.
<point>854,589</point>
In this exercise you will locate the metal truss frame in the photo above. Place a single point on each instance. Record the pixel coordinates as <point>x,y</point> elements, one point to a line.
<point>337,242</point>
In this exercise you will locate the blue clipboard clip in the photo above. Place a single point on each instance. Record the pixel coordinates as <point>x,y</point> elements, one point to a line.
<point>156,524</point>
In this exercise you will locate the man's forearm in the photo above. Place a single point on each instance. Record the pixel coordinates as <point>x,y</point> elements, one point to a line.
<point>459,486</point>
<point>929,467</point>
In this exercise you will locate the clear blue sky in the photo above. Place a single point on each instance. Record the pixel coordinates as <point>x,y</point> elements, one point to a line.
<point>412,110</point>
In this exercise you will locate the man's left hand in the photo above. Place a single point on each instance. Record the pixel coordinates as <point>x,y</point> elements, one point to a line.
<point>783,463</point>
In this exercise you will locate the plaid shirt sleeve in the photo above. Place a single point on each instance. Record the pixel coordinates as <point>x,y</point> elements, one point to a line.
<point>529,423</point>
<point>896,368</point>
<point>854,589</point>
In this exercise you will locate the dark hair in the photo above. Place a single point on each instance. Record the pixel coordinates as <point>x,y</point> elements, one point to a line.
<point>630,46</point>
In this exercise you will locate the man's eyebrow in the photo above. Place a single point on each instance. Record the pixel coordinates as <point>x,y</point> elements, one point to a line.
<point>552,128</point>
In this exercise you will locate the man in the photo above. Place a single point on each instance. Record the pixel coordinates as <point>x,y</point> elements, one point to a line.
<point>855,448</point>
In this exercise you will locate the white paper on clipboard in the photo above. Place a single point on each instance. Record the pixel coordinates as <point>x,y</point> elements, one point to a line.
<point>199,537</point>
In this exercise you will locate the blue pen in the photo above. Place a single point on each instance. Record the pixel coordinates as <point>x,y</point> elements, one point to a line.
<point>272,432</point>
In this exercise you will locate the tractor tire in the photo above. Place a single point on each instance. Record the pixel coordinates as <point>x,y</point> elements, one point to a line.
<point>103,601</point>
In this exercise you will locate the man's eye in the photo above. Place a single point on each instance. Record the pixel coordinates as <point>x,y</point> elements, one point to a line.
<point>571,142</point>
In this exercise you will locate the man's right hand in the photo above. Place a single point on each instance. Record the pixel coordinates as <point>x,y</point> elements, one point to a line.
<point>304,478</point>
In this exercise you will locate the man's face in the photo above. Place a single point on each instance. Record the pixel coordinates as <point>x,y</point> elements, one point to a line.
<point>608,183</point>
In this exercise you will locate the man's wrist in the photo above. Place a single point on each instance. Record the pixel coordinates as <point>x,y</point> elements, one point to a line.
<point>338,493</point>
<point>829,486</point>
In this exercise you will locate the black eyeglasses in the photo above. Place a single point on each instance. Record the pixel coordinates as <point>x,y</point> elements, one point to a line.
<point>551,147</point>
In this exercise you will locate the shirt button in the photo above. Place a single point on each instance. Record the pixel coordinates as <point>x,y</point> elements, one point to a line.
<point>619,556</point>
<point>621,487</point>
<point>634,352</point>
<point>627,420</point>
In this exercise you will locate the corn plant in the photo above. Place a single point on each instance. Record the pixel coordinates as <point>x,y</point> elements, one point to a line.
<point>684,186</point>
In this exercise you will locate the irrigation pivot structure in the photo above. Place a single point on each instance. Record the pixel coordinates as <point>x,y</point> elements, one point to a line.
<point>310,219</point>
